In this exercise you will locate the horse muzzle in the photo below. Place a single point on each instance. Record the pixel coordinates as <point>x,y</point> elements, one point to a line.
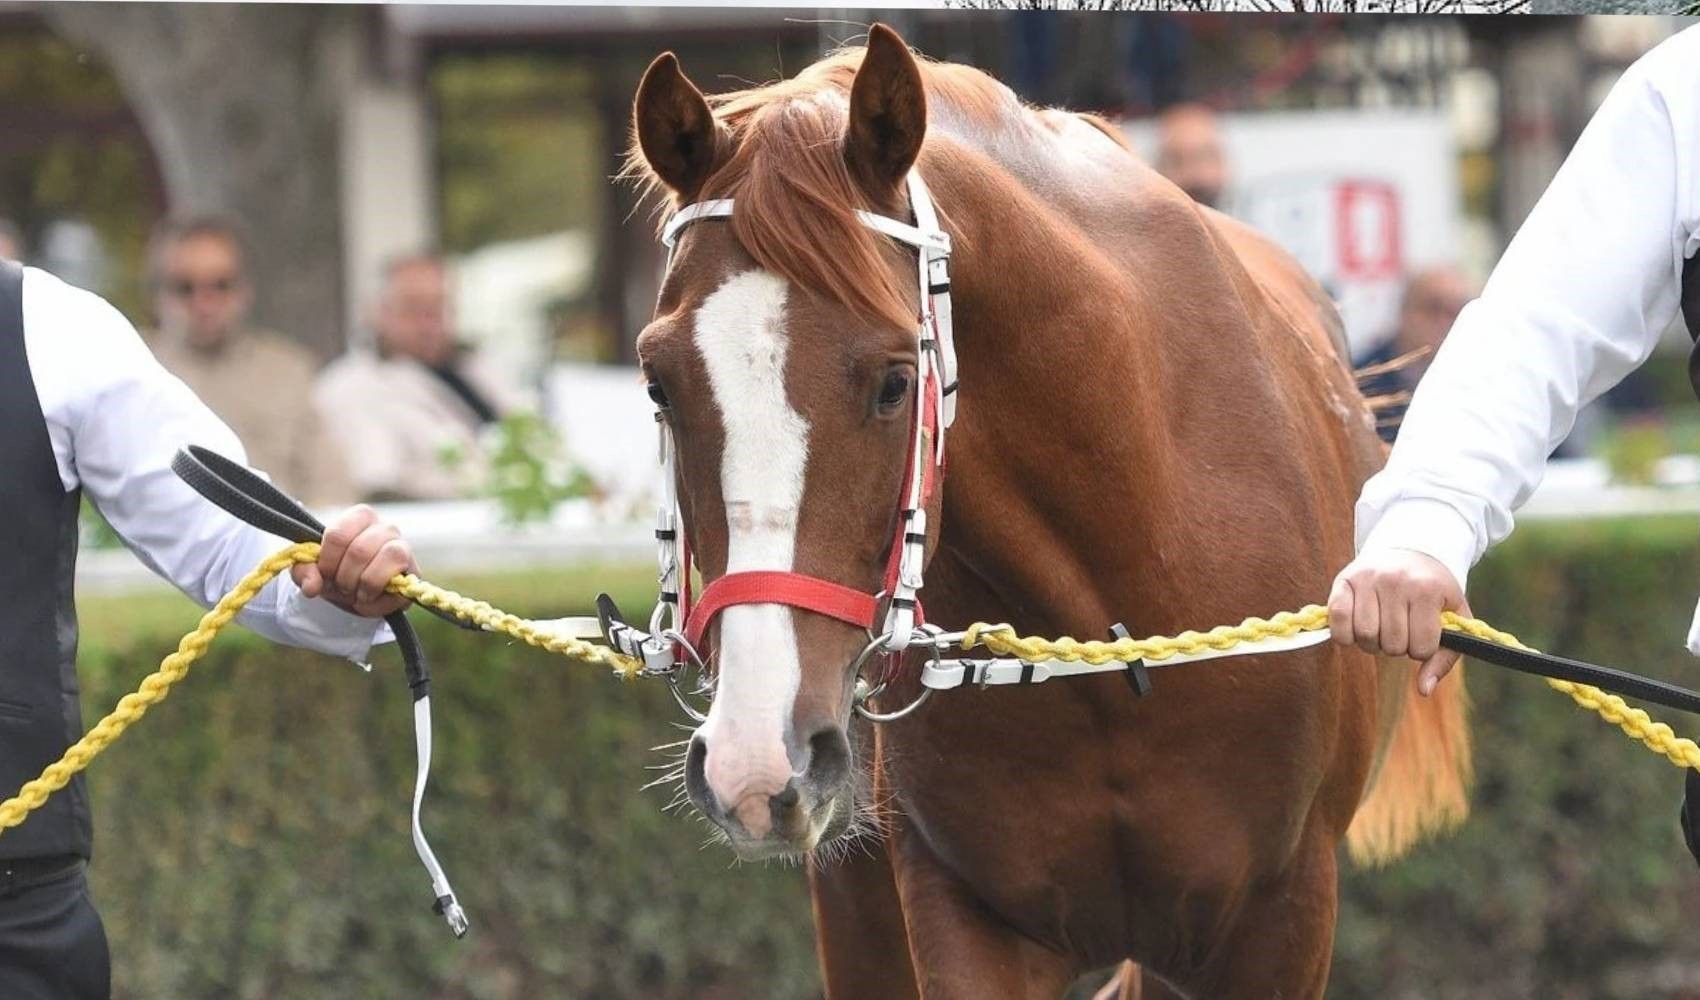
<point>764,806</point>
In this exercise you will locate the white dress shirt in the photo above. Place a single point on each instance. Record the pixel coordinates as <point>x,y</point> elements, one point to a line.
<point>116,418</point>
<point>1579,300</point>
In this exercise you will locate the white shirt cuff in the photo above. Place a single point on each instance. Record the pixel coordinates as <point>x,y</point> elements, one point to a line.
<point>1694,633</point>
<point>318,624</point>
<point>1433,527</point>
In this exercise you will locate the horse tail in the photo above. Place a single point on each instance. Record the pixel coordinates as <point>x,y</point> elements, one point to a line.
<point>1421,787</point>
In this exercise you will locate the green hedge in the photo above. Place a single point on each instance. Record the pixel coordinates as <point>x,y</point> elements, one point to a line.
<point>1570,878</point>
<point>253,841</point>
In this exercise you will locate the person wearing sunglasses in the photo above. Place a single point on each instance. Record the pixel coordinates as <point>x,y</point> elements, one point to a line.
<point>257,381</point>
<point>1607,261</point>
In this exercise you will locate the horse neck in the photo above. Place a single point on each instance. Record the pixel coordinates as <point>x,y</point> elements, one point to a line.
<point>1106,380</point>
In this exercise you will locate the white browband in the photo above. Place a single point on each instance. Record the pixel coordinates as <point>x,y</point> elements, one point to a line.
<point>920,238</point>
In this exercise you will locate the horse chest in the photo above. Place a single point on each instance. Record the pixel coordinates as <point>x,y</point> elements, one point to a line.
<point>1057,828</point>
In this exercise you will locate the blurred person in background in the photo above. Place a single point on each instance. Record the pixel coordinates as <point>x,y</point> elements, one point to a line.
<point>257,381</point>
<point>1606,261</point>
<point>1432,299</point>
<point>412,410</point>
<point>86,411</point>
<point>11,240</point>
<point>1190,153</point>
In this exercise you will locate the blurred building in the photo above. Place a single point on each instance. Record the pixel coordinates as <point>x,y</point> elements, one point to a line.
<point>493,133</point>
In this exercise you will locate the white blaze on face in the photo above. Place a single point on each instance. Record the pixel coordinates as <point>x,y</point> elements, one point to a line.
<point>740,333</point>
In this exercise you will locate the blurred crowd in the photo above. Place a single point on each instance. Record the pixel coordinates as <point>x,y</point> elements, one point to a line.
<point>405,415</point>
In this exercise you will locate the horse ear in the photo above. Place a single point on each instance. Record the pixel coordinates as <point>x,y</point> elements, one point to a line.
<point>675,128</point>
<point>888,113</point>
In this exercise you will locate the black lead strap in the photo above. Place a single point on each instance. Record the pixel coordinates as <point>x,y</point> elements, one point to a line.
<point>242,493</point>
<point>1560,668</point>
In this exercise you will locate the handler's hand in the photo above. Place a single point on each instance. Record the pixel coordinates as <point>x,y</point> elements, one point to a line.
<point>357,559</point>
<point>1389,603</point>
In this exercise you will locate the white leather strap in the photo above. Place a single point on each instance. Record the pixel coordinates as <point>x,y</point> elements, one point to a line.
<point>970,671</point>
<point>719,208</point>
<point>446,904</point>
<point>933,241</point>
<point>935,294</point>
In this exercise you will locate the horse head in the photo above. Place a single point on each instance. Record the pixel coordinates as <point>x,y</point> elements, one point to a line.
<point>784,359</point>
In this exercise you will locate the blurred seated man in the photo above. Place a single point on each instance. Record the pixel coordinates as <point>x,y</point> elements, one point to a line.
<point>11,240</point>
<point>1189,152</point>
<point>258,382</point>
<point>413,409</point>
<point>1433,298</point>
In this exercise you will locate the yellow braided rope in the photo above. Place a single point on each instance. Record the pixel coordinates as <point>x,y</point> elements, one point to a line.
<point>1635,723</point>
<point>193,646</point>
<point>1000,639</point>
<point>496,620</point>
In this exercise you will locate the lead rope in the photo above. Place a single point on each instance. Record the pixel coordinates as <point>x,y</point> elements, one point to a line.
<point>1284,631</point>
<point>156,686</point>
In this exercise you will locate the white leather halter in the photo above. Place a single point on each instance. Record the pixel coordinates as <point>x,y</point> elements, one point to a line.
<point>665,648</point>
<point>936,375</point>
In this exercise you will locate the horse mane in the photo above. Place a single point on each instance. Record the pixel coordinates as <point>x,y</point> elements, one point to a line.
<point>797,200</point>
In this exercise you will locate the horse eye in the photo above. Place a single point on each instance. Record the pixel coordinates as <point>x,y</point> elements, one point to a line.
<point>656,395</point>
<point>894,390</point>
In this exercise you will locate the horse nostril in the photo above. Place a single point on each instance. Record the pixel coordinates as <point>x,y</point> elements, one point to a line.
<point>829,757</point>
<point>696,777</point>
<point>782,808</point>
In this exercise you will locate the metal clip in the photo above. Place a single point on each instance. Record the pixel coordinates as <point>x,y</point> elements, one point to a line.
<point>1138,678</point>
<point>657,655</point>
<point>451,911</point>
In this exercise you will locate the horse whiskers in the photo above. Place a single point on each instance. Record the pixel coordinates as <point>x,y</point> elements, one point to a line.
<point>674,776</point>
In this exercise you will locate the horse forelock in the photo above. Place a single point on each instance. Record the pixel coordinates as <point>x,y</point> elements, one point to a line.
<point>797,200</point>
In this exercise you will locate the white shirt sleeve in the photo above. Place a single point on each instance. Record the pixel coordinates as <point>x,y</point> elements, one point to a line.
<point>1579,299</point>
<point>115,419</point>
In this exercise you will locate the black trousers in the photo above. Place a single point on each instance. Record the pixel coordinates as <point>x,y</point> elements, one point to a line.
<point>52,944</point>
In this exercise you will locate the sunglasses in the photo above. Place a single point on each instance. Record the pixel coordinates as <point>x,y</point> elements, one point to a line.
<point>184,288</point>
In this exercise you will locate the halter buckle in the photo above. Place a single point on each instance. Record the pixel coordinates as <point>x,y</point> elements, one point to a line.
<point>658,655</point>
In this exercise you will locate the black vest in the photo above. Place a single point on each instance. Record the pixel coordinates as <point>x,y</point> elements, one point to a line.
<point>39,714</point>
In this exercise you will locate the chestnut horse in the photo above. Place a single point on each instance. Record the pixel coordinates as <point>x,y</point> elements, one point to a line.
<point>1155,427</point>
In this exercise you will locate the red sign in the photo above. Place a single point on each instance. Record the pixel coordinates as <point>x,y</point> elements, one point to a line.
<point>1366,221</point>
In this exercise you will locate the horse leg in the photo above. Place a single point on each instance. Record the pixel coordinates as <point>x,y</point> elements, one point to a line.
<point>859,932</point>
<point>959,948</point>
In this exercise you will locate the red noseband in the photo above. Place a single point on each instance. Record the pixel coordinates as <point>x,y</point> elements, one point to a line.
<point>775,587</point>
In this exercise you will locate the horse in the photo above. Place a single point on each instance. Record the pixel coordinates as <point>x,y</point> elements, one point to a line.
<point>1156,427</point>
